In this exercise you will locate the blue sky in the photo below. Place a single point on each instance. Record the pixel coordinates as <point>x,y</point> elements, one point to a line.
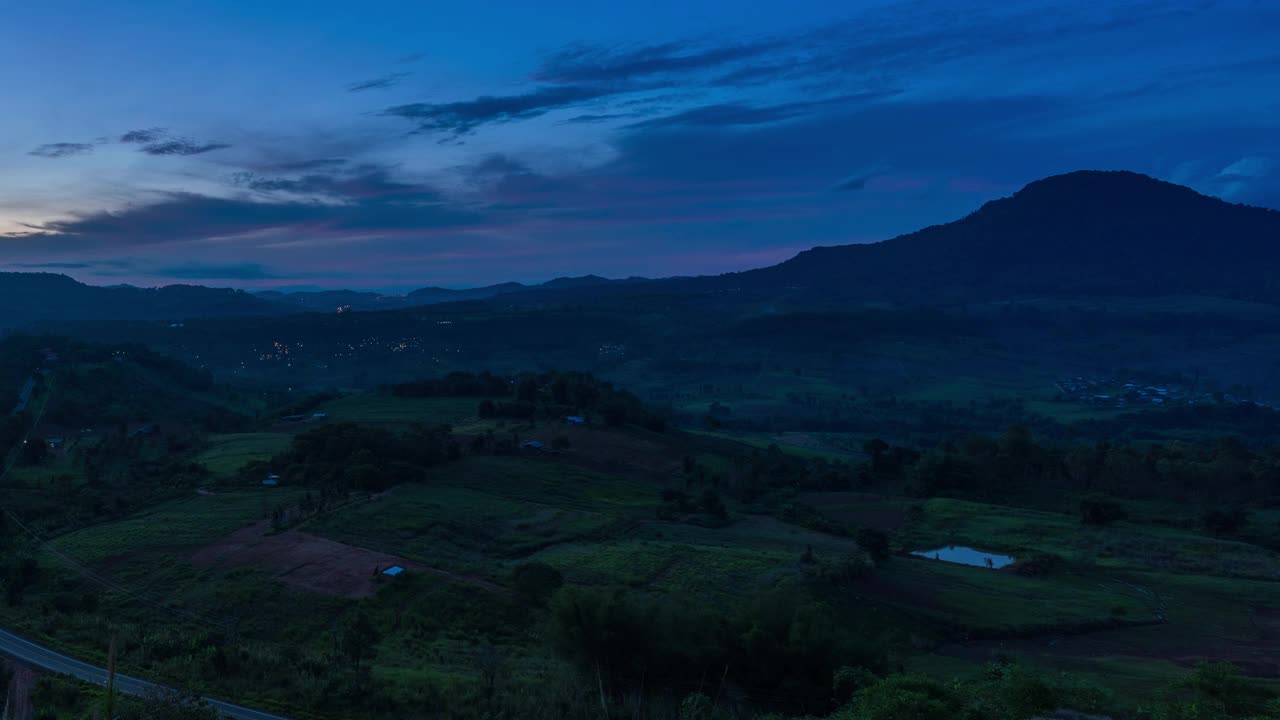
<point>396,145</point>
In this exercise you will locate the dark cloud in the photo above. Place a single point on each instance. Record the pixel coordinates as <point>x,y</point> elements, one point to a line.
<point>364,201</point>
<point>60,150</point>
<point>600,64</point>
<point>218,271</point>
<point>383,82</point>
<point>364,183</point>
<point>460,118</point>
<point>180,147</point>
<point>144,136</point>
<point>730,114</point>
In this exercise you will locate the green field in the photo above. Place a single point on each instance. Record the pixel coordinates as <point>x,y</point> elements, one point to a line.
<point>226,454</point>
<point>175,525</point>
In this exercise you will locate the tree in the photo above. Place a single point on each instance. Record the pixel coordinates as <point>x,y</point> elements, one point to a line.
<point>875,543</point>
<point>1099,510</point>
<point>358,639</point>
<point>536,581</point>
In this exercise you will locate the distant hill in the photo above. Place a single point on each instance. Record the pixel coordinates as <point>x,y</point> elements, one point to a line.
<point>37,297</point>
<point>1083,233</point>
<point>327,301</point>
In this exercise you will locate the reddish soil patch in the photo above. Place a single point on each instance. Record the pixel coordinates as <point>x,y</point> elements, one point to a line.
<point>313,563</point>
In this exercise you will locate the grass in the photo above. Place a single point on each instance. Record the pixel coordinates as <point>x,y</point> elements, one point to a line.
<point>483,513</point>
<point>227,453</point>
<point>1123,546</point>
<point>185,523</point>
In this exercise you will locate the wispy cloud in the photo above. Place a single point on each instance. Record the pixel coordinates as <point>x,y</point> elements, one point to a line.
<point>144,136</point>
<point>181,147</point>
<point>218,271</point>
<point>61,150</point>
<point>602,64</point>
<point>381,83</point>
<point>460,118</point>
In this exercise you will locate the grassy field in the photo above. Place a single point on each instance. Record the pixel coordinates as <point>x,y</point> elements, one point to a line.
<point>181,524</point>
<point>227,453</point>
<point>1132,603</point>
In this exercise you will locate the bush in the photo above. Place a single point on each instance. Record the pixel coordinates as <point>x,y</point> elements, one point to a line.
<point>536,581</point>
<point>875,543</point>
<point>1223,522</point>
<point>1038,564</point>
<point>910,696</point>
<point>1100,511</point>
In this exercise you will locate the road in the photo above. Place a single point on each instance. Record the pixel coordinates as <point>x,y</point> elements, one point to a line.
<point>42,657</point>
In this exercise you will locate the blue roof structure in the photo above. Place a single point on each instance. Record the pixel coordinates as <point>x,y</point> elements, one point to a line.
<point>393,571</point>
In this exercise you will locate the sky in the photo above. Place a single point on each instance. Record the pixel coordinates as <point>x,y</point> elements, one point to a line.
<point>394,145</point>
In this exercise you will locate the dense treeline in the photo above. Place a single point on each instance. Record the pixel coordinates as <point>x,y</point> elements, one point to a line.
<point>345,457</point>
<point>548,395</point>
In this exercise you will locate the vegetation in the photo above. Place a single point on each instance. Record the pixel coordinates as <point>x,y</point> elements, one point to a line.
<point>625,567</point>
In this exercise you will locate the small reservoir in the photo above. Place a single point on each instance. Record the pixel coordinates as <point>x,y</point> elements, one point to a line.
<point>967,556</point>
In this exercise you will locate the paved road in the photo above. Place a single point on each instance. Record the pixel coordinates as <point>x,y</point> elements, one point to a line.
<point>42,657</point>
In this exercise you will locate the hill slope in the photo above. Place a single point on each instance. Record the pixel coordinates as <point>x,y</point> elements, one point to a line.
<point>1083,233</point>
<point>34,297</point>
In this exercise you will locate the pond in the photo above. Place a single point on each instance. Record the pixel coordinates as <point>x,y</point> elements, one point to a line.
<point>967,556</point>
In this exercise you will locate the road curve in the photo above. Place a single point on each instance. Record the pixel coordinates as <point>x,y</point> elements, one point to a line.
<point>42,657</point>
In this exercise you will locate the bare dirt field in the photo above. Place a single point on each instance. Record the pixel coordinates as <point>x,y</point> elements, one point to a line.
<point>312,563</point>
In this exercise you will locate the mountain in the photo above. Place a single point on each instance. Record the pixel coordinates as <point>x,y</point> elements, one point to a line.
<point>1083,233</point>
<point>37,297</point>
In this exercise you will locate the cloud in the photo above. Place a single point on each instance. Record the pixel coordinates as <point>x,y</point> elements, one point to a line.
<point>588,118</point>
<point>218,271</point>
<point>411,58</point>
<point>304,165</point>
<point>51,266</point>
<point>315,207</point>
<point>1246,167</point>
<point>181,147</point>
<point>460,118</point>
<point>858,181</point>
<point>600,64</point>
<point>62,149</point>
<point>381,83</point>
<point>730,114</point>
<point>144,136</point>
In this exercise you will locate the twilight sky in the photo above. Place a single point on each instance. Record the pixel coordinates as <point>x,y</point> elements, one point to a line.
<point>392,145</point>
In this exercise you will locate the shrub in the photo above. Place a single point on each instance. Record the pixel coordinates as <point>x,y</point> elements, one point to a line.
<point>536,581</point>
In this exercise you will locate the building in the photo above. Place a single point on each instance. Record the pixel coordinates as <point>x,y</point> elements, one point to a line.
<point>575,420</point>
<point>271,480</point>
<point>533,445</point>
<point>393,571</point>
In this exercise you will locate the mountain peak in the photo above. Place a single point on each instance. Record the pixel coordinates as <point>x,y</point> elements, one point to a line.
<point>1080,233</point>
